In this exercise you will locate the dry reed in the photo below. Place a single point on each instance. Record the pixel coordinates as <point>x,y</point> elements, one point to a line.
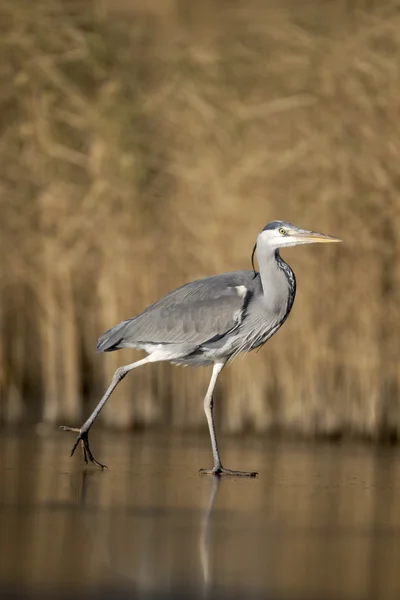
<point>141,149</point>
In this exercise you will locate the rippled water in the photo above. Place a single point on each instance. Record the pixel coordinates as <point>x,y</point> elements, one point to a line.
<point>321,521</point>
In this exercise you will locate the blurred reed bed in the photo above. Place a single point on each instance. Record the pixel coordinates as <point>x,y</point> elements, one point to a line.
<point>143,146</point>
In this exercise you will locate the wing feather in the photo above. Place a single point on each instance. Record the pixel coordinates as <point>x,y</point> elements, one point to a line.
<point>192,314</point>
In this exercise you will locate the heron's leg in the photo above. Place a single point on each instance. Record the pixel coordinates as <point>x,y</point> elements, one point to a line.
<point>208,409</point>
<point>83,431</point>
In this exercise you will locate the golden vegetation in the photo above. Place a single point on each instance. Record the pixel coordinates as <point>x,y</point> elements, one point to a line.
<point>143,149</point>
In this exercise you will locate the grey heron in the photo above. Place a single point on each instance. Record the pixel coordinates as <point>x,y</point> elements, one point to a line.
<point>209,322</point>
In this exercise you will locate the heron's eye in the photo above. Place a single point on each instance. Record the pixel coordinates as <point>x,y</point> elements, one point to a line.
<point>282,231</point>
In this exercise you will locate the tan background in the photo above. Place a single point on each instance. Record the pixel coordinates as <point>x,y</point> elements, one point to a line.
<point>145,145</point>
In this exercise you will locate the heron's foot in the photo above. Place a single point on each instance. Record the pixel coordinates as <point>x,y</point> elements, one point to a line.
<point>83,439</point>
<point>221,472</point>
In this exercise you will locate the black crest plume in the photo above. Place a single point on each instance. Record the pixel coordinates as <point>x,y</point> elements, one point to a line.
<point>252,260</point>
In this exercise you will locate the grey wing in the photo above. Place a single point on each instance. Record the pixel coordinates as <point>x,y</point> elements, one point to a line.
<point>198,312</point>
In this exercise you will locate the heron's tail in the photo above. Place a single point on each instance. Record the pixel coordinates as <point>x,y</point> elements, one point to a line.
<point>111,339</point>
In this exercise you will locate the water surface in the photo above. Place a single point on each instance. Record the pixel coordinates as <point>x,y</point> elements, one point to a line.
<point>321,521</point>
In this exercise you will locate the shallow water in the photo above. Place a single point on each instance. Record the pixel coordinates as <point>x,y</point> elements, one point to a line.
<point>321,521</point>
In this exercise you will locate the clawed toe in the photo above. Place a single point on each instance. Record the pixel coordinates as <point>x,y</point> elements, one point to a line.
<point>83,439</point>
<point>220,471</point>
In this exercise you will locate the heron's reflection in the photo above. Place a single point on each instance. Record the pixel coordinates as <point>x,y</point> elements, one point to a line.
<point>147,544</point>
<point>204,537</point>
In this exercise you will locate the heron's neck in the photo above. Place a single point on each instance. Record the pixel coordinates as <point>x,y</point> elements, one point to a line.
<point>274,272</point>
<point>267,263</point>
<point>290,277</point>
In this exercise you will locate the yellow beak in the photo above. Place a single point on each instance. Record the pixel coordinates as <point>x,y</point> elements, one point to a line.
<point>313,237</point>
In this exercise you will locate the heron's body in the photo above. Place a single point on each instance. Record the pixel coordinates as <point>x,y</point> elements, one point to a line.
<point>211,320</point>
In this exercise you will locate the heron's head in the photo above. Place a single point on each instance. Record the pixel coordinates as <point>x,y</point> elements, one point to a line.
<point>279,234</point>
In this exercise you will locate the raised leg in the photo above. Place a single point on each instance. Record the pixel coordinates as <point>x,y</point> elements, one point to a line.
<point>83,432</point>
<point>208,409</point>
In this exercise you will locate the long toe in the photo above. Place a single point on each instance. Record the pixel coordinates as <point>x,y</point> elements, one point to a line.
<point>66,428</point>
<point>89,455</point>
<point>83,440</point>
<point>221,472</point>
